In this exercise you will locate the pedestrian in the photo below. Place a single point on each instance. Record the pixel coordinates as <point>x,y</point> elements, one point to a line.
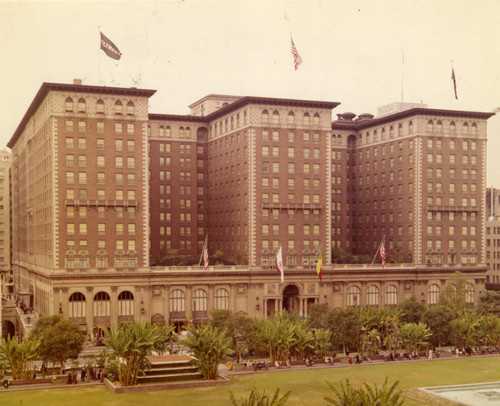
<point>83,374</point>
<point>70,379</point>
<point>34,372</point>
<point>43,370</point>
<point>99,374</point>
<point>75,379</point>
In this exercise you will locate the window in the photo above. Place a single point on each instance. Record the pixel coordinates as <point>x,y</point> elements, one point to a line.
<point>353,296</point>
<point>68,104</point>
<point>177,301</point>
<point>118,107</point>
<point>125,304</point>
<point>102,304</point>
<point>222,299</point>
<point>100,106</point>
<point>433,294</point>
<point>291,118</point>
<point>265,117</point>
<point>391,295</point>
<point>200,299</point>
<point>130,108</point>
<point>276,117</point>
<point>372,295</point>
<point>77,305</point>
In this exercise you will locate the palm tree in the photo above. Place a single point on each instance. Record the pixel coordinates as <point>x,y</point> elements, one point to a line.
<point>413,335</point>
<point>210,346</point>
<point>490,330</point>
<point>132,343</point>
<point>303,339</point>
<point>365,395</point>
<point>465,328</point>
<point>261,399</point>
<point>18,355</point>
<point>322,338</point>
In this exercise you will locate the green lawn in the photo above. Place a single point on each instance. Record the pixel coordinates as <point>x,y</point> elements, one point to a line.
<point>308,386</point>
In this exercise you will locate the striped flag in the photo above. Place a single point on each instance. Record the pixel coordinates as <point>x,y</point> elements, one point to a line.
<point>205,258</point>
<point>319,264</point>
<point>279,264</point>
<point>454,82</point>
<point>297,60</point>
<point>382,252</point>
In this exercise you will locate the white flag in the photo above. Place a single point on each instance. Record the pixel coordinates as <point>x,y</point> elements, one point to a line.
<point>279,265</point>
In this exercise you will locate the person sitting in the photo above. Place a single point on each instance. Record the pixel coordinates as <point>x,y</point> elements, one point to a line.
<point>308,362</point>
<point>277,364</point>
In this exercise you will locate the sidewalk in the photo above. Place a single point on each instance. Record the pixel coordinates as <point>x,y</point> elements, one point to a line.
<point>54,385</point>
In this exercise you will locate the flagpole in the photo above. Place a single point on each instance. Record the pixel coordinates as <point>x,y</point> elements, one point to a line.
<point>290,73</point>
<point>99,57</point>
<point>378,248</point>
<point>402,75</point>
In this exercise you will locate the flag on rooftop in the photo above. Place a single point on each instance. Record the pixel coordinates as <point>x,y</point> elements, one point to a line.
<point>109,47</point>
<point>297,60</point>
<point>279,264</point>
<point>382,252</point>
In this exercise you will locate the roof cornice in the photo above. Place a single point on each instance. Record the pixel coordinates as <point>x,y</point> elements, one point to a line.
<point>46,87</point>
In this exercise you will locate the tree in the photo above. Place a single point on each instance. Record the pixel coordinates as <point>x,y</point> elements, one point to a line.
<point>465,329</point>
<point>61,339</point>
<point>277,335</point>
<point>453,296</point>
<point>210,346</point>
<point>345,325</point>
<point>132,343</point>
<point>18,355</point>
<point>303,339</point>
<point>317,315</point>
<point>412,310</point>
<point>438,318</point>
<point>261,399</point>
<point>489,303</point>
<point>217,257</point>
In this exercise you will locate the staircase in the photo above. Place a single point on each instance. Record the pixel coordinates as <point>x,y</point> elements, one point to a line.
<point>170,368</point>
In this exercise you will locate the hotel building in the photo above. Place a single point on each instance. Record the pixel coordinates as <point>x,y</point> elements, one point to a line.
<point>105,193</point>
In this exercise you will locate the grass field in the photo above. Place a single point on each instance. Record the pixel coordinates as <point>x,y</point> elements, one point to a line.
<point>308,386</point>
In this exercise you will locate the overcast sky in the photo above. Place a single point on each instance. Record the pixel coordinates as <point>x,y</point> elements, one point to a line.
<point>352,51</point>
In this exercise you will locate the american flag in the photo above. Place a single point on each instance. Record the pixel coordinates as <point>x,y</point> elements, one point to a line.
<point>297,60</point>
<point>382,252</point>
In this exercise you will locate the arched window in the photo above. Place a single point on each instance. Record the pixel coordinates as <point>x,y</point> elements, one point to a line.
<point>181,132</point>
<point>430,126</point>
<point>353,296</point>
<point>291,118</point>
<point>276,117</point>
<point>452,127</point>
<point>100,106</point>
<point>316,120</point>
<point>125,303</point>
<point>68,104</point>
<point>391,132</point>
<point>469,293</point>
<point>474,129</point>
<point>82,107</point>
<point>400,130</point>
<point>177,303</point>
<point>265,117</point>
<point>187,133</point>
<point>383,134</point>
<point>168,131</point>
<point>130,108</point>
<point>439,126</point>
<point>410,127</point>
<point>433,294</point>
<point>222,299</point>
<point>101,304</point>
<point>118,107</point>
<point>307,119</point>
<point>200,300</point>
<point>77,305</point>
<point>372,296</point>
<point>391,295</point>
<point>465,129</point>
<point>162,131</point>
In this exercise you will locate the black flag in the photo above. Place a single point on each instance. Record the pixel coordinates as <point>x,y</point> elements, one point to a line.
<point>109,48</point>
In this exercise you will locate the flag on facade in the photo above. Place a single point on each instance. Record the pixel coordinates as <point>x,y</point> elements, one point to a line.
<point>454,82</point>
<point>279,264</point>
<point>297,60</point>
<point>109,47</point>
<point>382,252</point>
<point>319,264</point>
